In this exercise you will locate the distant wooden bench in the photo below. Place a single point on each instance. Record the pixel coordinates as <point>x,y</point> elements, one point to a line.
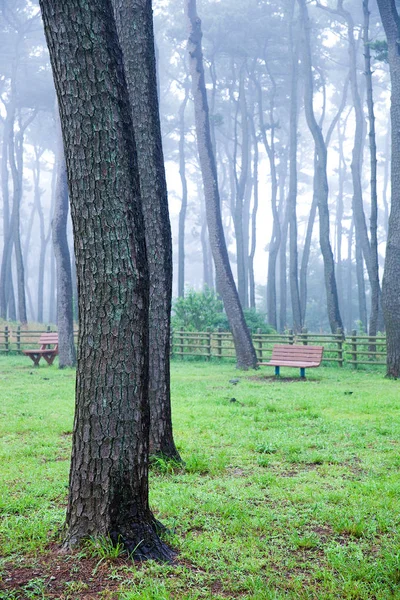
<point>304,357</point>
<point>45,351</point>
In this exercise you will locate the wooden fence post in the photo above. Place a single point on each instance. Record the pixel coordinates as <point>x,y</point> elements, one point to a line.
<point>291,337</point>
<point>340,346</point>
<point>19,339</point>
<point>219,342</point>
<point>181,343</point>
<point>260,346</point>
<point>354,347</point>
<point>208,343</point>
<point>304,336</point>
<point>171,342</point>
<point>6,339</point>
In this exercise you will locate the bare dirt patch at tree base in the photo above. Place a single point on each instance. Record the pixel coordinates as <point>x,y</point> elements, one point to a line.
<point>60,575</point>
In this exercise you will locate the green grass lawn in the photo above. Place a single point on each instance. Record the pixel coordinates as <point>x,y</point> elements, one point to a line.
<point>291,491</point>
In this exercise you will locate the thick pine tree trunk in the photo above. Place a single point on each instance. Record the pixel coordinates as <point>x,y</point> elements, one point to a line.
<point>65,322</point>
<point>391,279</point>
<point>108,492</point>
<point>245,353</point>
<point>134,20</point>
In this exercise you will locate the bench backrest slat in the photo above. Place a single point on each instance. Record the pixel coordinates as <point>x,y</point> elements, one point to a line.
<point>48,338</point>
<point>289,352</point>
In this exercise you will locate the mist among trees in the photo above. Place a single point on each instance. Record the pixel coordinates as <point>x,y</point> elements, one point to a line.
<point>278,168</point>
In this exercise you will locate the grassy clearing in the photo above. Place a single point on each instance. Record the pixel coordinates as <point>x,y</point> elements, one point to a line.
<point>290,491</point>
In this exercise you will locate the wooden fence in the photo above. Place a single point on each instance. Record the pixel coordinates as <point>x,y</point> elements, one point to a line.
<point>354,349</point>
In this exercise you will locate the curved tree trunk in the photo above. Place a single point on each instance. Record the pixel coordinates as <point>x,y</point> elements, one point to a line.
<point>134,19</point>
<point>108,492</point>
<point>245,353</point>
<point>334,317</point>
<point>65,322</point>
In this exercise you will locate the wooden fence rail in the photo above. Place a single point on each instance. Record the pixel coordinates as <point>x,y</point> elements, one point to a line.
<point>354,349</point>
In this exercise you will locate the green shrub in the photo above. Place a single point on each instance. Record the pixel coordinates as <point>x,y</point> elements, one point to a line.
<point>201,311</point>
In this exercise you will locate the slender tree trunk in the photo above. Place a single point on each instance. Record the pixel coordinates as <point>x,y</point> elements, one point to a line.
<point>108,492</point>
<point>282,215</point>
<point>339,216</point>
<point>16,163</point>
<point>362,301</point>
<point>276,227</point>
<point>52,266</point>
<point>349,312</point>
<point>43,244</point>
<point>376,316</point>
<point>334,317</point>
<point>283,274</point>
<point>245,353</point>
<point>391,280</point>
<point>6,281</point>
<point>292,197</point>
<point>252,289</point>
<point>208,281</point>
<point>182,212</point>
<point>306,251</point>
<point>134,21</point>
<point>65,322</point>
<point>386,179</point>
<point>240,187</point>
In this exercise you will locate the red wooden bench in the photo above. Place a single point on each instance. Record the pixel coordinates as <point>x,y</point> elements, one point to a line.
<point>286,355</point>
<point>48,353</point>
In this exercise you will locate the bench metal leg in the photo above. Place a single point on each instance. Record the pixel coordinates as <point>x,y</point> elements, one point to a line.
<point>302,372</point>
<point>277,374</point>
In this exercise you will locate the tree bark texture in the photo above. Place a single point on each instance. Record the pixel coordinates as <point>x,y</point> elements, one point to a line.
<point>108,491</point>
<point>245,353</point>
<point>65,321</point>
<point>391,279</point>
<point>134,20</point>
<point>334,317</point>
